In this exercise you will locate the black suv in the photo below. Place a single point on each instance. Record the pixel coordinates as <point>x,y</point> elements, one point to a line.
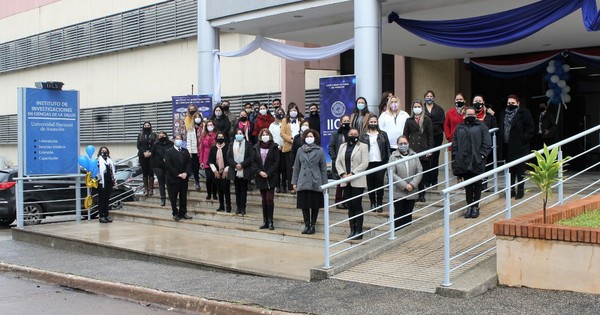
<point>43,197</point>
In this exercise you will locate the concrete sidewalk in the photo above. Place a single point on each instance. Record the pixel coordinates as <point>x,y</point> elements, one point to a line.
<point>219,292</point>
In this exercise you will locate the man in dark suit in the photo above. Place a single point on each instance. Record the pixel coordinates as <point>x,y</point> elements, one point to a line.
<point>516,131</point>
<point>179,166</point>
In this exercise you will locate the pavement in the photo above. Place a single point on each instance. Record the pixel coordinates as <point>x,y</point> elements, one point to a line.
<point>222,292</point>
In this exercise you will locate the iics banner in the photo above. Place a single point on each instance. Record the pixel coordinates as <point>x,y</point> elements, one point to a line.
<point>180,105</point>
<point>336,99</point>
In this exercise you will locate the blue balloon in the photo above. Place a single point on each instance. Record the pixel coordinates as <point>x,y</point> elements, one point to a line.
<point>83,161</point>
<point>90,150</point>
<point>94,167</point>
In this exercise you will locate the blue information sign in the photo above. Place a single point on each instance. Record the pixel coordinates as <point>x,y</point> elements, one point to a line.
<point>51,131</point>
<point>180,105</point>
<point>336,97</point>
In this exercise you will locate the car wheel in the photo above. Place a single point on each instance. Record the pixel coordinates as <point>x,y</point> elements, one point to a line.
<point>6,221</point>
<point>32,214</point>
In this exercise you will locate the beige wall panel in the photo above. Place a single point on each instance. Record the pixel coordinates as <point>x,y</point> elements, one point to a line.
<point>437,75</point>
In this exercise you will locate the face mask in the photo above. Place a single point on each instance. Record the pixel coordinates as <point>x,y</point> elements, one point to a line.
<point>352,139</point>
<point>373,126</point>
<point>429,100</point>
<point>309,140</point>
<point>542,109</point>
<point>417,110</point>
<point>360,106</point>
<point>147,129</point>
<point>162,139</point>
<point>403,148</point>
<point>512,107</point>
<point>243,118</point>
<point>256,110</point>
<point>265,139</point>
<point>459,104</point>
<point>394,106</point>
<point>220,140</point>
<point>218,113</point>
<point>263,111</point>
<point>293,114</point>
<point>279,116</point>
<point>248,110</point>
<point>192,112</point>
<point>197,120</point>
<point>178,143</point>
<point>346,126</point>
<point>225,108</point>
<point>470,119</point>
<point>478,105</point>
<point>304,128</point>
<point>239,137</point>
<point>104,154</point>
<point>210,128</point>
<point>315,113</point>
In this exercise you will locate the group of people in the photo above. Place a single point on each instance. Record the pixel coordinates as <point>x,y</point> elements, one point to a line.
<point>280,151</point>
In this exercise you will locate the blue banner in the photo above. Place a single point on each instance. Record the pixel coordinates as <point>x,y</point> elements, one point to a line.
<point>180,105</point>
<point>336,98</point>
<point>51,126</point>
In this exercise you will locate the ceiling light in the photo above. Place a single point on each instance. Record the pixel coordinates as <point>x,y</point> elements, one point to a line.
<point>422,45</point>
<point>578,68</point>
<point>231,29</point>
<point>594,75</point>
<point>545,45</point>
<point>298,16</point>
<point>470,52</point>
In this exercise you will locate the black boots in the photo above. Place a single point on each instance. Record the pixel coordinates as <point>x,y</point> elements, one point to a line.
<point>356,228</point>
<point>265,217</point>
<point>306,217</point>
<point>162,202</point>
<point>352,228</point>
<point>314,214</point>
<point>146,192</point>
<point>422,196</point>
<point>472,212</point>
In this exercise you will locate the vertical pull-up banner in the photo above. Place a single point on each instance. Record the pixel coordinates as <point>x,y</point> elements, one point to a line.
<point>336,99</point>
<point>48,131</point>
<point>180,105</point>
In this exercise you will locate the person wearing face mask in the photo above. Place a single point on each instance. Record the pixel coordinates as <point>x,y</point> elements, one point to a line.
<point>158,163</point>
<point>265,162</point>
<point>336,140</point>
<point>310,172</point>
<point>145,141</point>
<point>225,105</point>
<point>276,104</point>
<point>438,116</point>
<point>275,129</point>
<point>407,177</point>
<point>298,141</point>
<point>106,182</point>
<point>193,130</point>
<point>262,121</point>
<point>314,119</point>
<point>222,121</point>
<point>516,131</point>
<point>244,124</point>
<point>179,167</point>
<point>379,153</point>
<point>218,165</point>
<point>419,130</point>
<point>485,115</point>
<point>239,160</point>
<point>359,116</point>
<point>207,141</point>
<point>454,116</point>
<point>470,147</point>
<point>290,127</point>
<point>393,120</point>
<point>353,158</point>
<point>546,128</point>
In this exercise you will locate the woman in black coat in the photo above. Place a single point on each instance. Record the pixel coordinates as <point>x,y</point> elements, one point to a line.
<point>221,120</point>
<point>145,141</point>
<point>239,159</point>
<point>217,161</point>
<point>265,160</point>
<point>157,162</point>
<point>437,115</point>
<point>337,138</point>
<point>419,130</point>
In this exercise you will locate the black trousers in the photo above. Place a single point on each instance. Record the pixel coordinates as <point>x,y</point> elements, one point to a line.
<point>178,190</point>
<point>517,173</point>
<point>289,165</point>
<point>431,176</point>
<point>282,174</point>
<point>403,209</point>
<point>195,167</point>
<point>223,191</point>
<point>146,169</point>
<point>426,164</point>
<point>473,191</point>
<point>104,199</point>
<point>354,205</point>
<point>161,174</point>
<point>375,180</point>
<point>241,192</point>
<point>211,185</point>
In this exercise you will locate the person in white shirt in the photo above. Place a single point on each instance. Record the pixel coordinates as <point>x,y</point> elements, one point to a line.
<point>275,130</point>
<point>392,121</point>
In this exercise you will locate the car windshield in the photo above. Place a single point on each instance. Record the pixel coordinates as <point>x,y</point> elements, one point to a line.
<point>123,175</point>
<point>4,176</point>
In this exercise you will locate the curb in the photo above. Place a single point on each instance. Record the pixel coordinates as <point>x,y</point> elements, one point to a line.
<point>139,294</point>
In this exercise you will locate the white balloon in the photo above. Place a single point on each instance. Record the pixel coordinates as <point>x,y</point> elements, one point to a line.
<point>566,89</point>
<point>561,83</point>
<point>550,69</point>
<point>554,79</point>
<point>566,68</point>
<point>551,63</point>
<point>566,98</point>
<point>549,93</point>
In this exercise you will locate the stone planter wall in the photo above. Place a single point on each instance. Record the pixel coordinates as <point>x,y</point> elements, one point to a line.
<point>547,256</point>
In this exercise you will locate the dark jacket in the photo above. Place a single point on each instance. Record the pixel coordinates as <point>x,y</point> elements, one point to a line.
<point>145,143</point>
<point>521,133</point>
<point>337,138</point>
<point>270,166</point>
<point>246,163</point>
<point>177,162</point>
<point>549,124</point>
<point>418,141</point>
<point>437,116</point>
<point>471,145</point>
<point>157,160</point>
<point>296,144</point>
<point>212,158</point>
<point>382,141</point>
<point>314,122</point>
<point>223,124</point>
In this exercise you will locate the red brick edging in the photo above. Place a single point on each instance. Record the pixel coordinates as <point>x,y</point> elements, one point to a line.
<point>531,226</point>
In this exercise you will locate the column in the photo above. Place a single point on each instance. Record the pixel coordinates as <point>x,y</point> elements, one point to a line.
<point>367,51</point>
<point>208,41</point>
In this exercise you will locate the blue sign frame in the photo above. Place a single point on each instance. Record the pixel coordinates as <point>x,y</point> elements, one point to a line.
<point>336,98</point>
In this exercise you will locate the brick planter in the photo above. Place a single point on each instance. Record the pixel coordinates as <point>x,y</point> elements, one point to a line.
<point>547,256</point>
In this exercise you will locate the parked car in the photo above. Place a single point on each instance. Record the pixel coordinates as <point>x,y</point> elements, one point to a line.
<point>43,197</point>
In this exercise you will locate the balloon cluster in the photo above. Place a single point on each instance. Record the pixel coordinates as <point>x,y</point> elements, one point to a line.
<point>557,76</point>
<point>88,161</point>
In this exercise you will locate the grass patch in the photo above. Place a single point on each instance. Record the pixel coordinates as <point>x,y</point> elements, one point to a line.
<point>589,219</point>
